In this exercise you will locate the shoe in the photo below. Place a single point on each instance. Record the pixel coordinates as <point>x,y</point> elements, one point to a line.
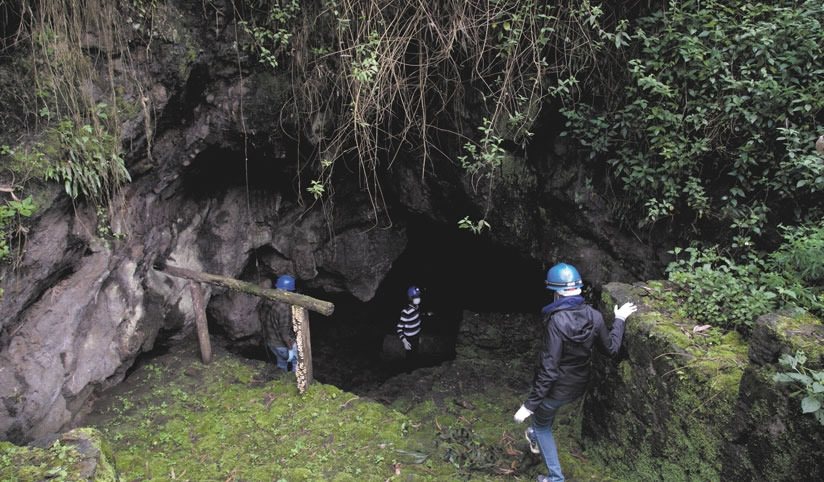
<point>533,444</point>
<point>543,478</point>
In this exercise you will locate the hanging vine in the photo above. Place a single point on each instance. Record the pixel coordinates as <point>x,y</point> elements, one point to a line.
<point>374,78</point>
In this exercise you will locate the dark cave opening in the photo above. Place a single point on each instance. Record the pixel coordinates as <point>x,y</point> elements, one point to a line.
<point>456,271</point>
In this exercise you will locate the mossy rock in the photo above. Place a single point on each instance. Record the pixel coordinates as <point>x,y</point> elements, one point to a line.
<point>775,334</point>
<point>681,402</point>
<point>80,454</point>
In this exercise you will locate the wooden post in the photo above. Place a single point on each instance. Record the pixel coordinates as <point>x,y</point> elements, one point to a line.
<point>300,322</point>
<point>198,305</point>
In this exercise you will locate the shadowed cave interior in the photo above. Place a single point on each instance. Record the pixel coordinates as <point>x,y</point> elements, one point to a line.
<point>456,271</point>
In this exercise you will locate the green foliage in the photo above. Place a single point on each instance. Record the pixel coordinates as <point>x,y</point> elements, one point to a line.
<point>11,223</point>
<point>104,228</point>
<point>811,382</point>
<point>719,291</point>
<point>370,84</point>
<point>271,36</point>
<point>732,292</point>
<point>802,252</point>
<point>17,208</point>
<point>26,162</point>
<point>316,189</point>
<point>715,116</point>
<point>484,158</point>
<point>74,136</point>
<point>475,226</point>
<point>92,165</point>
<point>365,65</point>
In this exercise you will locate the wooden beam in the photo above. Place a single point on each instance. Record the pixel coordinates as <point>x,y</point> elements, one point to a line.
<point>314,304</point>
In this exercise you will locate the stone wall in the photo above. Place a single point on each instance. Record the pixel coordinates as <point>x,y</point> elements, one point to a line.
<point>676,404</point>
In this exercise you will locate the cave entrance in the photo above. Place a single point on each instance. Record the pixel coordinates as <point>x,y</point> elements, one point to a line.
<point>456,270</point>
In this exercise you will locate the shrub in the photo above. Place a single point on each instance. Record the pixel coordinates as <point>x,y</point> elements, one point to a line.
<point>731,293</point>
<point>714,115</point>
<point>716,290</point>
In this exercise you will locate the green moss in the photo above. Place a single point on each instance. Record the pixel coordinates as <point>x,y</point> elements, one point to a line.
<point>61,461</point>
<point>105,470</point>
<point>270,88</point>
<point>126,110</point>
<point>235,423</point>
<point>516,174</point>
<point>671,401</point>
<point>667,407</point>
<point>625,371</point>
<point>802,330</point>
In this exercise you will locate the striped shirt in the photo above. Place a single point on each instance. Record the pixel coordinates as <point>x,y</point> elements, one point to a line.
<point>410,323</point>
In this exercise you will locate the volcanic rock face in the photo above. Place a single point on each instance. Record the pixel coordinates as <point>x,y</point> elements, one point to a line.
<point>215,188</point>
<point>85,320</point>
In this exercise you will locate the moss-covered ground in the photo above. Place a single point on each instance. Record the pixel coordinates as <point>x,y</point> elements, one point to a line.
<point>176,418</point>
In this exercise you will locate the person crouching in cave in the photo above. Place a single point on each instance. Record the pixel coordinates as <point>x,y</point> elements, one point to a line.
<point>571,328</point>
<point>278,329</point>
<point>409,326</point>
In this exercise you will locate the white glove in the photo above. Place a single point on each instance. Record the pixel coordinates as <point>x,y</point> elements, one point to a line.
<point>406,345</point>
<point>625,310</point>
<point>522,414</point>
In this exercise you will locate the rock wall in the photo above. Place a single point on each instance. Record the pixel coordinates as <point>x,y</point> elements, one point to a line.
<point>675,405</point>
<point>80,308</point>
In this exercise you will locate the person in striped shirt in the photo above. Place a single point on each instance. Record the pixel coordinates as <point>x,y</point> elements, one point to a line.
<point>409,325</point>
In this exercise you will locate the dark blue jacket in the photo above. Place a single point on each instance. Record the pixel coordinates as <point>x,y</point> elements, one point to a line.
<point>571,328</point>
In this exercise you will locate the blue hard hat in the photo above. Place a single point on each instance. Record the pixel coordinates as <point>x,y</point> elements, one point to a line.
<point>413,291</point>
<point>563,276</point>
<point>286,282</point>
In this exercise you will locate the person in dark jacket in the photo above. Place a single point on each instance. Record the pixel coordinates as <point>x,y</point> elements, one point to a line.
<point>278,329</point>
<point>571,329</point>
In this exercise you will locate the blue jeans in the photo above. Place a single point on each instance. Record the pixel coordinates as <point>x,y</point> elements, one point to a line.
<point>282,357</point>
<point>542,425</point>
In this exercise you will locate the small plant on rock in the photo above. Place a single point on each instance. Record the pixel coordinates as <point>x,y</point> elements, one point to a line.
<point>811,383</point>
